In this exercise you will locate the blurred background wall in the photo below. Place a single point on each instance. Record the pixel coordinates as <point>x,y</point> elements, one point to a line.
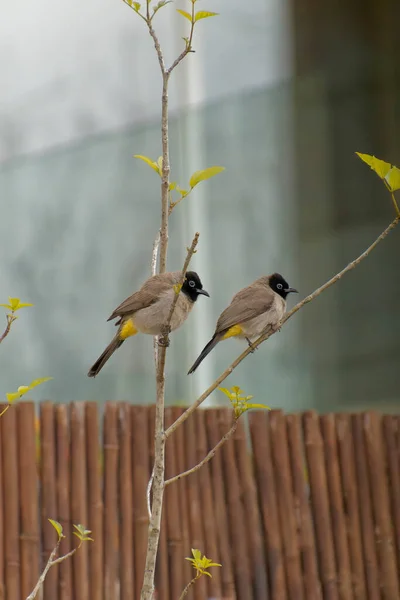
<point>280,93</point>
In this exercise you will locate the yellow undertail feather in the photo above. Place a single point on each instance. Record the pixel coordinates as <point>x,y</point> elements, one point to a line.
<point>127,330</point>
<point>233,332</point>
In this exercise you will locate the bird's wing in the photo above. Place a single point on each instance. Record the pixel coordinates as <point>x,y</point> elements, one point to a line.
<point>248,303</point>
<point>149,293</point>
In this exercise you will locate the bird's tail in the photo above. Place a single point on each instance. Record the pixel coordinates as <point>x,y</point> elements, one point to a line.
<point>108,352</point>
<point>206,350</point>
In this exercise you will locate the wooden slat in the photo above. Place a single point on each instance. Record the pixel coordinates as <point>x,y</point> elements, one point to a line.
<point>380,504</point>
<point>126,566</point>
<point>351,499</point>
<point>252,512</point>
<point>172,515</point>
<point>187,570</point>
<point>391,433</point>
<point>196,515</point>
<point>235,508</point>
<point>2,523</point>
<point>12,572</point>
<point>284,489</point>
<point>111,525</point>
<point>28,480</point>
<point>328,428</point>
<point>95,500</point>
<point>48,499</point>
<point>320,503</point>
<point>206,499</point>
<point>365,511</point>
<point>63,484</point>
<point>301,491</point>
<point>261,444</point>
<point>221,516</point>
<point>141,476</point>
<point>79,511</point>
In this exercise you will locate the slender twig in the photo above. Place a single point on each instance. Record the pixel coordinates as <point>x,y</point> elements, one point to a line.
<point>209,456</point>
<point>155,40</point>
<point>50,563</point>
<point>270,332</point>
<point>10,321</point>
<point>154,256</point>
<point>159,451</point>
<point>188,47</point>
<point>190,253</point>
<point>189,585</point>
<point>148,492</point>
<point>396,207</point>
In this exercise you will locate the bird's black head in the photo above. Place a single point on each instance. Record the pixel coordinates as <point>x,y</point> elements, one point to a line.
<point>280,286</point>
<point>193,287</point>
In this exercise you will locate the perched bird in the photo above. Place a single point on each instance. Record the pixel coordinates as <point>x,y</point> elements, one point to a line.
<point>147,310</point>
<point>251,310</point>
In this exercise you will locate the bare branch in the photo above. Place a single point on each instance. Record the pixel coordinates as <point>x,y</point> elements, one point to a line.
<point>10,321</point>
<point>154,254</point>
<point>159,451</point>
<point>188,46</point>
<point>187,588</point>
<point>209,456</point>
<point>148,492</point>
<point>268,333</point>
<point>155,40</point>
<point>50,563</point>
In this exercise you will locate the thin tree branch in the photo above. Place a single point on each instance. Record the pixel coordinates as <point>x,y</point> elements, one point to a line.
<point>187,588</point>
<point>155,39</point>
<point>188,46</point>
<point>148,492</point>
<point>159,450</point>
<point>270,332</point>
<point>208,457</point>
<point>10,321</point>
<point>154,256</point>
<point>50,563</point>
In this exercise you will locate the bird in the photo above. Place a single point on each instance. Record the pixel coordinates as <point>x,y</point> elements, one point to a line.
<point>147,310</point>
<point>251,310</point>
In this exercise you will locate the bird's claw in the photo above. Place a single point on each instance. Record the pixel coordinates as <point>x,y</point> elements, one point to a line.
<point>252,348</point>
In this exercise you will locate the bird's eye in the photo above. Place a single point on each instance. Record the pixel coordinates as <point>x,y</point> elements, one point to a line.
<point>279,286</point>
<point>192,283</point>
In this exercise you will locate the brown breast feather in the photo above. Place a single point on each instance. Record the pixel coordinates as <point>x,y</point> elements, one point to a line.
<point>149,293</point>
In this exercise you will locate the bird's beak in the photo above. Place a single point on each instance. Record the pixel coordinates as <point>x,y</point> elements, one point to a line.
<point>202,292</point>
<point>291,290</point>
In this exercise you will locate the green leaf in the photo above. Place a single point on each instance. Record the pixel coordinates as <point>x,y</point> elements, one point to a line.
<point>226,392</point>
<point>184,14</point>
<point>204,174</point>
<point>248,406</point>
<point>196,554</point>
<point>136,6</point>
<point>393,179</point>
<point>380,167</point>
<point>23,389</point>
<point>204,14</point>
<point>148,161</point>
<point>82,533</point>
<point>58,527</point>
<point>182,192</point>
<point>161,4</point>
<point>172,186</point>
